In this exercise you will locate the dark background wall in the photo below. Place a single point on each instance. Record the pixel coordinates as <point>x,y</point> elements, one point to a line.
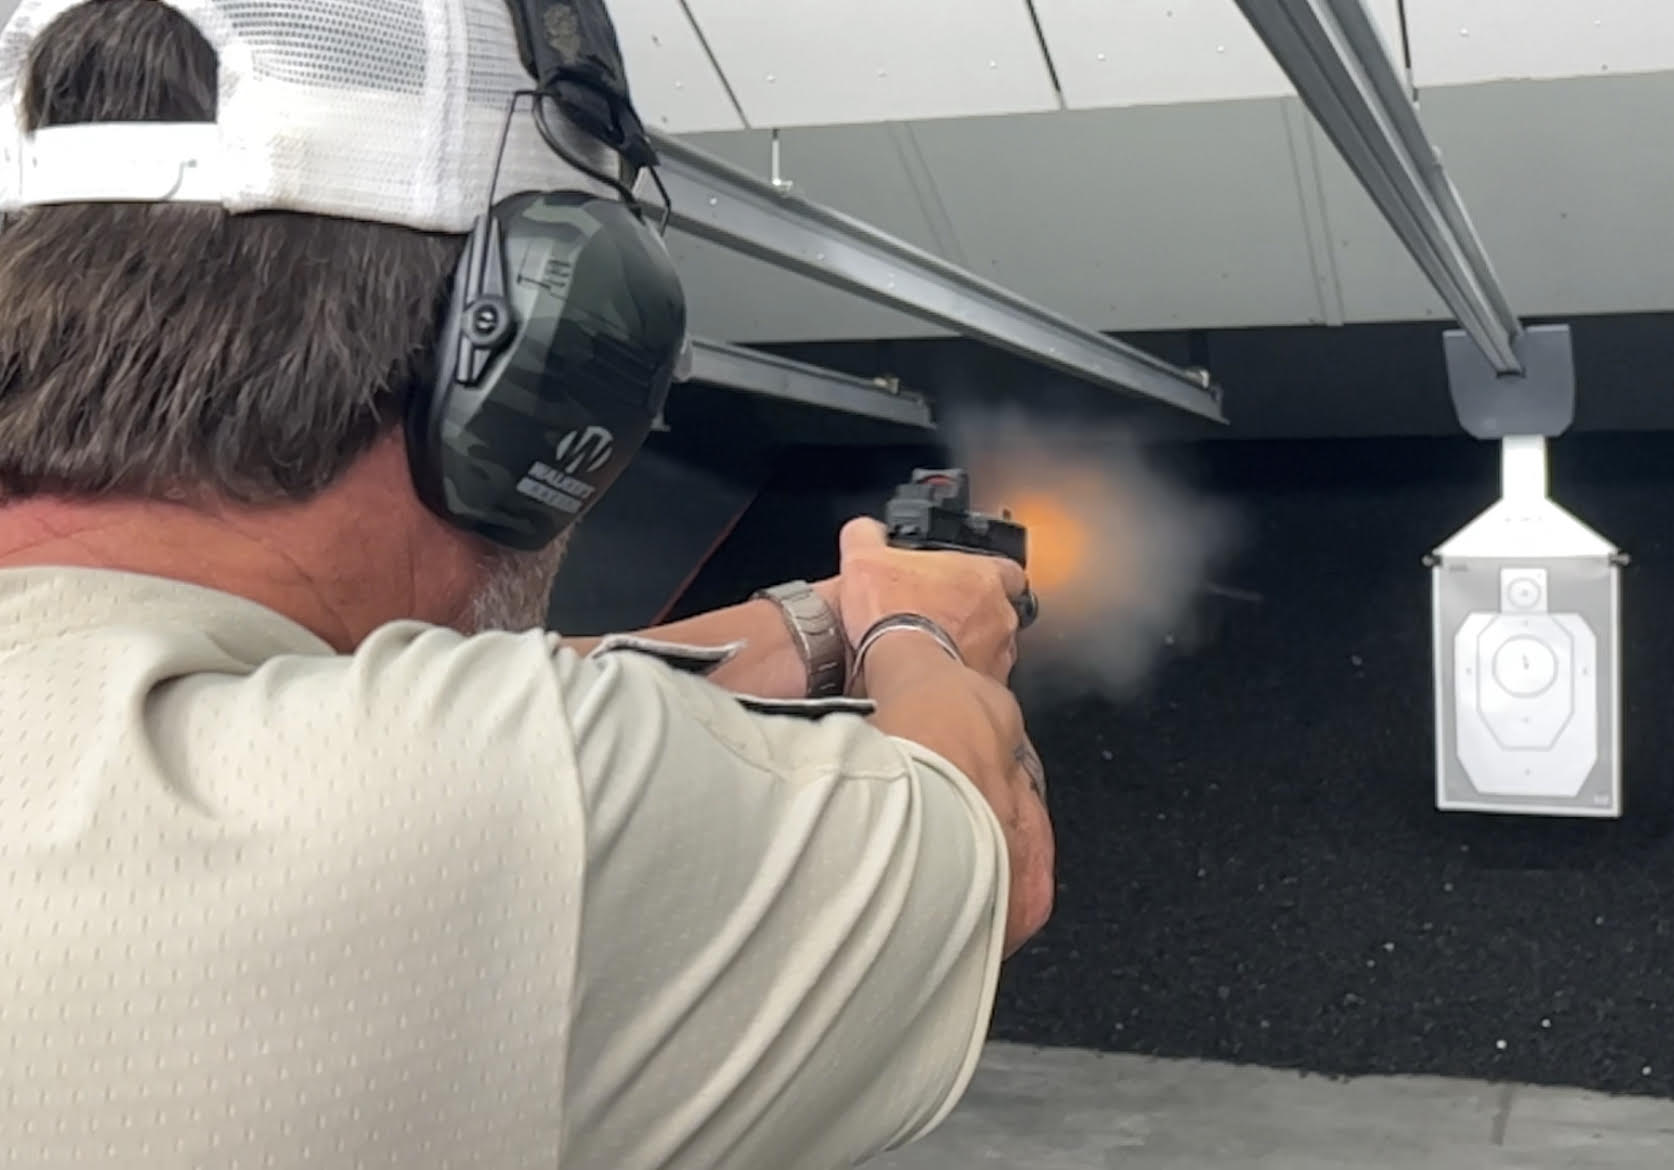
<point>1251,868</point>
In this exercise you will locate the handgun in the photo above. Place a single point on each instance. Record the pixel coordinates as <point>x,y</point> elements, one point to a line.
<point>932,510</point>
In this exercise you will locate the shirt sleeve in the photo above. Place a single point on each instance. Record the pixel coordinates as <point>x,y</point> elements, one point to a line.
<point>791,930</point>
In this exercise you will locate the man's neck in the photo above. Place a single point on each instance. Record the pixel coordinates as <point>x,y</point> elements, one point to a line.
<point>360,554</point>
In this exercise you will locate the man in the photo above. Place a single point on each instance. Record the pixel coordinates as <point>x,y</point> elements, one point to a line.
<point>314,849</point>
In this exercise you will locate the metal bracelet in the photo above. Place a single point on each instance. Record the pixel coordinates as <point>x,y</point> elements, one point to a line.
<point>903,621</point>
<point>817,634</point>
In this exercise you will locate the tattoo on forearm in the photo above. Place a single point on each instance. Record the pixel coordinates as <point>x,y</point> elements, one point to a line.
<point>1030,762</point>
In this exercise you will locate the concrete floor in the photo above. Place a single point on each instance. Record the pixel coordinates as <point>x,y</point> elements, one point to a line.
<point>1066,1109</point>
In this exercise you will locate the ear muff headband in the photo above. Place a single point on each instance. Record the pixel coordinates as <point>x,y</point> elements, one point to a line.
<point>556,354</point>
<point>566,322</point>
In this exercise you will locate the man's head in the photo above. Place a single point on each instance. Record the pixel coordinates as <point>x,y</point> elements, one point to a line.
<point>244,369</point>
<point>171,350</point>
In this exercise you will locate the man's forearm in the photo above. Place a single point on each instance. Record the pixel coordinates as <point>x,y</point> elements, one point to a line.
<point>973,722</point>
<point>769,665</point>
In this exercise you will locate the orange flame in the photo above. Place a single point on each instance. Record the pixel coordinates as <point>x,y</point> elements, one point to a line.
<point>1058,540</point>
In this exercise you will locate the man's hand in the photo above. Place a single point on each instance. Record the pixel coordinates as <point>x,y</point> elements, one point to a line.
<point>974,723</point>
<point>969,595</point>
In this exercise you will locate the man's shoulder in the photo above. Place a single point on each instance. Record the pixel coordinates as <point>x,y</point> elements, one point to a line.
<point>200,675</point>
<point>219,718</point>
<point>408,681</point>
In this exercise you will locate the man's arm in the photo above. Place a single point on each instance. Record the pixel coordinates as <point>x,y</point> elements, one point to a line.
<point>769,665</point>
<point>971,721</point>
<point>792,927</point>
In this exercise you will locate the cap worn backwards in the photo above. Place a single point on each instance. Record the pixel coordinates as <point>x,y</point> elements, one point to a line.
<point>384,110</point>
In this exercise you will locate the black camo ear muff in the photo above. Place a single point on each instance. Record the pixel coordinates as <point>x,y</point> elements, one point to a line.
<point>561,336</point>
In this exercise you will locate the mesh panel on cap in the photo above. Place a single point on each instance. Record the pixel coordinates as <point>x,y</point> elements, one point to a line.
<point>387,110</point>
<point>345,45</point>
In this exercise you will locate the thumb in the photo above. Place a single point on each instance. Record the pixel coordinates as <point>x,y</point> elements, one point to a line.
<point>1012,577</point>
<point>860,534</point>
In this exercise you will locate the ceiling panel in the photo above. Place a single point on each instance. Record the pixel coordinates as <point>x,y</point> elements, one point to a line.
<point>734,298</point>
<point>1158,217</point>
<point>1378,280</point>
<point>676,88</point>
<point>1573,212</point>
<point>1142,218</point>
<point>870,172</point>
<point>1459,42</point>
<point>1154,52</point>
<point>1565,203</point>
<point>814,62</point>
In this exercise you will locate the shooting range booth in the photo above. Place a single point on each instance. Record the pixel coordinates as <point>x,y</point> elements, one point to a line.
<point>1510,384</point>
<point>1393,802</point>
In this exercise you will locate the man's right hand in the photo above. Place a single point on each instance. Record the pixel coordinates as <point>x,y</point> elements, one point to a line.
<point>963,712</point>
<point>974,723</point>
<point>968,594</point>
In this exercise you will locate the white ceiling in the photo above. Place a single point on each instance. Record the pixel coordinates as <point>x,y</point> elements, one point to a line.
<point>1225,214</point>
<point>1144,52</point>
<point>676,86</point>
<point>1172,180</point>
<point>795,63</point>
<point>1458,42</point>
<point>1142,179</point>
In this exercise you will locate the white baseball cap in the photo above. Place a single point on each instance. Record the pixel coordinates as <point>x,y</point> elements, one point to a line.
<point>383,110</point>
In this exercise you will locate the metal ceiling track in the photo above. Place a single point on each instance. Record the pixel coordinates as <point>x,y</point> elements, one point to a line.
<point>717,202</point>
<point>1337,61</point>
<point>752,371</point>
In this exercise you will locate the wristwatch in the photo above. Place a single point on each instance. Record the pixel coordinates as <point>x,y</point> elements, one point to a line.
<point>818,636</point>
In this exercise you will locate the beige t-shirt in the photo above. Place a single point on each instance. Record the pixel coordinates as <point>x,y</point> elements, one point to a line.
<point>452,902</point>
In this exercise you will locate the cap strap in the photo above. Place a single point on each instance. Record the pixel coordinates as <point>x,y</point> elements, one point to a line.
<point>118,162</point>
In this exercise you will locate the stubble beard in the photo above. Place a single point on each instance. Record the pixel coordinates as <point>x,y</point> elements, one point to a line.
<point>517,589</point>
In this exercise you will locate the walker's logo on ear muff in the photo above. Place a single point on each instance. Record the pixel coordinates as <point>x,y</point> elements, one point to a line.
<point>579,453</point>
<point>584,451</point>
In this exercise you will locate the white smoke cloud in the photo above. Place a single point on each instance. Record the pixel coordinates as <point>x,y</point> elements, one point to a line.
<point>1119,553</point>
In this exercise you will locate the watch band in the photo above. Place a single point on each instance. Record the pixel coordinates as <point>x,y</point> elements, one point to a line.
<point>818,636</point>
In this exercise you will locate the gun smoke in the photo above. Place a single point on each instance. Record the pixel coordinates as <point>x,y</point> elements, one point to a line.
<point>1120,552</point>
